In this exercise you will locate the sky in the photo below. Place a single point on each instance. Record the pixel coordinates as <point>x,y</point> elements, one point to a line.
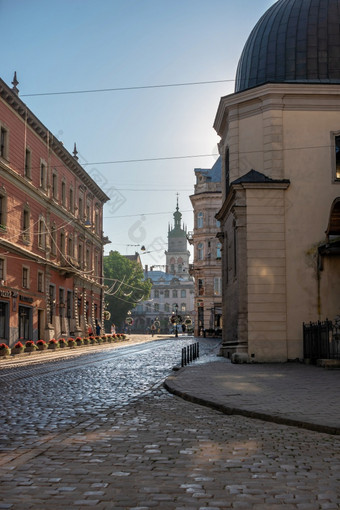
<point>141,143</point>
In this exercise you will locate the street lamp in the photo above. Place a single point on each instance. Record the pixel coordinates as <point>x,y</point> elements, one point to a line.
<point>176,320</point>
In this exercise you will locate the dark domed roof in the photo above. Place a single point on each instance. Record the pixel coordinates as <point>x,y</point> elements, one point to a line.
<point>295,41</point>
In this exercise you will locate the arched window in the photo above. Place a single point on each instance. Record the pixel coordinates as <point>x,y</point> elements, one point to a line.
<point>200,251</point>
<point>200,219</point>
<point>218,250</point>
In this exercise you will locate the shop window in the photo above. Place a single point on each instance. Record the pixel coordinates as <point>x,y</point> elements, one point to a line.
<point>25,323</point>
<point>337,157</point>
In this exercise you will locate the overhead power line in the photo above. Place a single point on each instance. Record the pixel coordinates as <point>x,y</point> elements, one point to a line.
<point>117,89</point>
<point>165,158</point>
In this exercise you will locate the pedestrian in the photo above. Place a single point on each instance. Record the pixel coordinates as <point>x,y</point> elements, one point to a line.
<point>98,328</point>
<point>153,329</point>
<point>113,329</point>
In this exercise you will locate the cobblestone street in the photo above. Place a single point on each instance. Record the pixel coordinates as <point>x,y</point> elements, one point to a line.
<point>150,449</point>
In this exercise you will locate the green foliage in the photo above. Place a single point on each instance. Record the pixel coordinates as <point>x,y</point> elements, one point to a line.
<point>126,287</point>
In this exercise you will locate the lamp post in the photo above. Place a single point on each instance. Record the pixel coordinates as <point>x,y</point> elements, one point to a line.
<point>176,320</point>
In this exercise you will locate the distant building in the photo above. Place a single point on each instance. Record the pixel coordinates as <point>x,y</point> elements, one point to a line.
<point>172,289</point>
<point>207,268</point>
<point>51,237</point>
<point>280,150</point>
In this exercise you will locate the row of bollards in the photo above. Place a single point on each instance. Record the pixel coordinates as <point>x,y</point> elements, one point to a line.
<point>190,353</point>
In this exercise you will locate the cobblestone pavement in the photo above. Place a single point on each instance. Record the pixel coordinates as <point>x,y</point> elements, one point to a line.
<point>165,453</point>
<point>84,437</point>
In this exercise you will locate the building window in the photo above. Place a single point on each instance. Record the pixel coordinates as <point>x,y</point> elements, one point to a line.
<point>337,157</point>
<point>227,170</point>
<point>26,225</point>
<point>71,201</point>
<point>80,208</point>
<point>70,249</point>
<point>167,307</point>
<point>183,293</point>
<point>62,243</point>
<point>200,220</point>
<point>25,277</point>
<point>41,233</point>
<point>156,293</point>
<point>218,250</point>
<point>53,240</point>
<point>55,186</point>
<point>96,222</point>
<point>183,307</point>
<point>175,307</point>
<point>43,174</point>
<point>96,270</point>
<point>218,223</point>
<point>235,250</point>
<point>51,294</point>
<point>3,209</point>
<point>200,251</point>
<point>217,286</point>
<point>174,293</point>
<point>200,287</point>
<point>3,142</point>
<point>2,270</point>
<point>167,293</point>
<point>40,283</point>
<point>80,254</point>
<point>88,259</point>
<point>156,307</point>
<point>63,193</point>
<point>28,163</point>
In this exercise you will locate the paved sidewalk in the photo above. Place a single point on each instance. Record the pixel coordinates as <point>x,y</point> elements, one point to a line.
<point>288,393</point>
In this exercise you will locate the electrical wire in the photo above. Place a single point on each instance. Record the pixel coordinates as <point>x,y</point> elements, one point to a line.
<point>118,89</point>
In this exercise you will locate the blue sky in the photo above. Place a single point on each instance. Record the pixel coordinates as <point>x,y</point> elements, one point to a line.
<point>77,45</point>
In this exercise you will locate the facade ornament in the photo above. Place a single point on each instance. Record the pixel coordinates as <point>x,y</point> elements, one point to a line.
<point>15,83</point>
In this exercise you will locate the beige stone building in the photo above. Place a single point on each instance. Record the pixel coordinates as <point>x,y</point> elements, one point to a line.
<point>280,142</point>
<point>206,269</point>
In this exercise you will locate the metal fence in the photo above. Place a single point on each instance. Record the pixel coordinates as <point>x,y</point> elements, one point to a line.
<point>321,340</point>
<point>190,353</point>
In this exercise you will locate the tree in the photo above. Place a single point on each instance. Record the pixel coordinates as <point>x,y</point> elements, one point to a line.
<point>126,286</point>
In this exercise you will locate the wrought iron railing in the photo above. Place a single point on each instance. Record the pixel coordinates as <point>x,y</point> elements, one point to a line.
<point>321,340</point>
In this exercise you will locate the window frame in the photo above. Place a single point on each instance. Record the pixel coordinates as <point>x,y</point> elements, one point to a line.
<point>4,141</point>
<point>25,277</point>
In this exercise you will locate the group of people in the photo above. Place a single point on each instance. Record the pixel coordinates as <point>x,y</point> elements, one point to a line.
<point>98,329</point>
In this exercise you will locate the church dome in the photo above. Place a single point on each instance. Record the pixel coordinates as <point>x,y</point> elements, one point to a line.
<point>295,41</point>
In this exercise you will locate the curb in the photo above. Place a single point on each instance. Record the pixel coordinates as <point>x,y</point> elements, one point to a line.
<point>250,414</point>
